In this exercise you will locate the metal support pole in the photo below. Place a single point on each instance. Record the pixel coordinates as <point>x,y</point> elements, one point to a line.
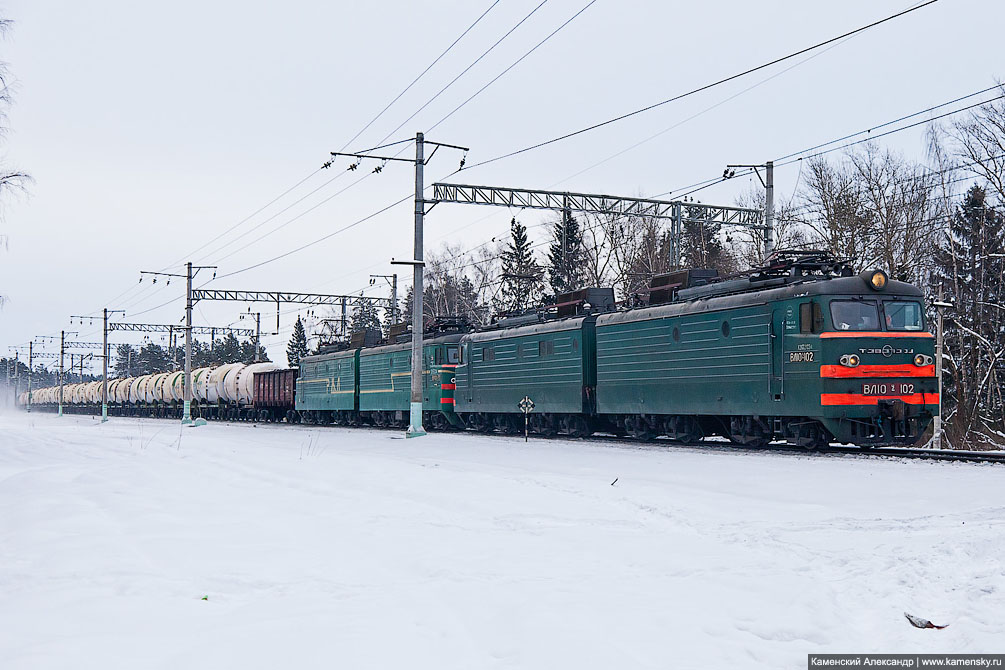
<point>342,326</point>
<point>415,411</point>
<point>104,368</point>
<point>62,339</point>
<point>937,427</point>
<point>394,298</point>
<point>566,216</point>
<point>258,335</point>
<point>30,357</point>
<point>187,380</point>
<point>769,208</point>
<point>675,224</point>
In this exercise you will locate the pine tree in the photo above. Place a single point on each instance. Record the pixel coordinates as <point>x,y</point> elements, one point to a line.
<point>521,275</point>
<point>700,244</point>
<point>297,348</point>
<point>126,358</point>
<point>566,257</point>
<point>969,270</point>
<point>364,316</point>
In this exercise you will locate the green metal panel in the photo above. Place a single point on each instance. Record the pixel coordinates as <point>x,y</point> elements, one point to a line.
<point>776,384</point>
<point>328,381</point>
<point>763,365</point>
<point>385,378</point>
<point>688,364</point>
<point>545,362</point>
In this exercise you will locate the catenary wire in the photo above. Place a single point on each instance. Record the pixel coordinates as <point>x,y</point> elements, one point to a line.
<point>704,87</point>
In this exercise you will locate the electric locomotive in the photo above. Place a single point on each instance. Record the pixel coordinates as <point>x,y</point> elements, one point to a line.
<point>802,350</point>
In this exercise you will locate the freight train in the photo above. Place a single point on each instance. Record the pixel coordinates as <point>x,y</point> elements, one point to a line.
<point>802,350</point>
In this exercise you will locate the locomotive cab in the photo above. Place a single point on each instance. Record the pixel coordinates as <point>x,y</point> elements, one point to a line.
<point>876,383</point>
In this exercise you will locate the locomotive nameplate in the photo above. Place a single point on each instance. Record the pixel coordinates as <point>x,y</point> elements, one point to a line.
<point>801,357</point>
<point>888,388</point>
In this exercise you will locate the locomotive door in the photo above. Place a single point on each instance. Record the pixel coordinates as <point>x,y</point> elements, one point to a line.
<point>775,386</point>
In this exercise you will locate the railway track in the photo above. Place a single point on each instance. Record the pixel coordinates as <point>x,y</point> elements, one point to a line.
<point>716,445</point>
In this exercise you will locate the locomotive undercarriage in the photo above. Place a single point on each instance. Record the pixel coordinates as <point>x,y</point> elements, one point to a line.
<point>895,424</point>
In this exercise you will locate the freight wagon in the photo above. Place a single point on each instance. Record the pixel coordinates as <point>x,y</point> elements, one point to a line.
<point>273,397</point>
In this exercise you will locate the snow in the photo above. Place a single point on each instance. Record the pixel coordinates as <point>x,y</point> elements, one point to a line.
<point>340,548</point>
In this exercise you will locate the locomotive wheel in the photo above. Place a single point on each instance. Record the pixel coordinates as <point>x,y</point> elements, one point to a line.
<point>577,426</point>
<point>637,427</point>
<point>745,431</point>
<point>505,423</point>
<point>481,422</point>
<point>683,429</point>
<point>542,424</point>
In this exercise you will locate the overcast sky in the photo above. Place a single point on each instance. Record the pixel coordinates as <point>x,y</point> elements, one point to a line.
<point>151,128</point>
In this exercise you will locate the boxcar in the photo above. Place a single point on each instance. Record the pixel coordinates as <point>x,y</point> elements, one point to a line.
<point>552,363</point>
<point>273,394</point>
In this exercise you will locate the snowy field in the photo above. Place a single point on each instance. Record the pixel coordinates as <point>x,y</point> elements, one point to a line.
<point>138,544</point>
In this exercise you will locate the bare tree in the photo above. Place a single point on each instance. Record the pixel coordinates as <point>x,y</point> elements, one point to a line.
<point>833,209</point>
<point>898,196</point>
<point>980,144</point>
<point>12,181</point>
<point>747,244</point>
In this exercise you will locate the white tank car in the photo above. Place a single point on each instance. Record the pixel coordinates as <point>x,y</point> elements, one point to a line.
<point>160,391</point>
<point>136,390</point>
<point>122,390</point>
<point>147,388</point>
<point>246,380</point>
<point>214,391</point>
<point>228,386</point>
<point>176,385</point>
<point>93,393</point>
<point>200,383</point>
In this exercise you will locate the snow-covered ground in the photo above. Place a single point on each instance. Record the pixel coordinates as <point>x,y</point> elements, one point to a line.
<point>337,548</point>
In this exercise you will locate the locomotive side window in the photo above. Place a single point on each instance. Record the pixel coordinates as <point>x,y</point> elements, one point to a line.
<point>806,317</point>
<point>855,315</point>
<point>488,354</point>
<point>902,315</point>
<point>546,347</point>
<point>811,317</point>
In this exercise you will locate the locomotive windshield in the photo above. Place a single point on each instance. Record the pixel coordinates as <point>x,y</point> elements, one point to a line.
<point>902,315</point>
<point>855,315</point>
<point>453,355</point>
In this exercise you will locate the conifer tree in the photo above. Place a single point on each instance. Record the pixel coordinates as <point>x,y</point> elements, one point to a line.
<point>700,244</point>
<point>521,275</point>
<point>970,271</point>
<point>566,257</point>
<point>297,348</point>
<point>364,316</point>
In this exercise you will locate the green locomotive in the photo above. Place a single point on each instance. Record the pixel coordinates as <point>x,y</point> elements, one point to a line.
<point>802,350</point>
<point>372,385</point>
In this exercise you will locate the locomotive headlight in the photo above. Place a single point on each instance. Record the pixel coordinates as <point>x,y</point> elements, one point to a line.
<point>921,360</point>
<point>877,280</point>
<point>849,360</point>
